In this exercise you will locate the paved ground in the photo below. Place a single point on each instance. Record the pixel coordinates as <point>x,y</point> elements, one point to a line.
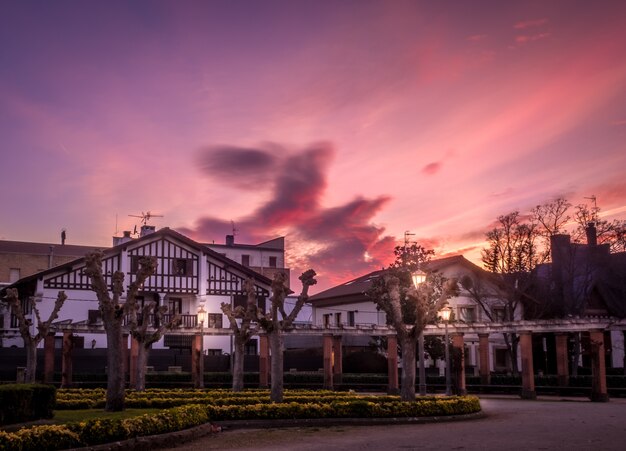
<point>511,424</point>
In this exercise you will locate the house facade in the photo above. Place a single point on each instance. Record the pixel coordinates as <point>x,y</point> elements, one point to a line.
<point>189,275</point>
<point>348,305</point>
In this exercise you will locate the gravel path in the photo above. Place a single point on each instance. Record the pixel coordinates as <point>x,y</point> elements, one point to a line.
<point>511,424</point>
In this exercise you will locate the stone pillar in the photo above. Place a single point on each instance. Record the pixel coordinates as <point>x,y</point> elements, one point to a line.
<point>134,354</point>
<point>264,361</point>
<point>599,391</point>
<point>458,345</point>
<point>483,351</point>
<point>66,368</point>
<point>562,359</point>
<point>48,358</point>
<point>528,376</point>
<point>328,361</point>
<point>337,359</point>
<point>392,364</point>
<point>197,361</point>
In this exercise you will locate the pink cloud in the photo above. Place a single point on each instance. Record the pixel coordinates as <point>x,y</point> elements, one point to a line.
<point>530,24</point>
<point>522,39</point>
<point>476,37</point>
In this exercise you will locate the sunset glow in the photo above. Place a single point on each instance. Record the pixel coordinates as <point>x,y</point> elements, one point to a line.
<point>337,124</point>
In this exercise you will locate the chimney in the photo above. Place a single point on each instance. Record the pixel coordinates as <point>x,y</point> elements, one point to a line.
<point>230,240</point>
<point>122,239</point>
<point>592,236</point>
<point>63,237</point>
<point>146,230</point>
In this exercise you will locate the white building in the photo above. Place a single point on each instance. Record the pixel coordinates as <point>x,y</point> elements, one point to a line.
<point>347,305</point>
<point>189,275</point>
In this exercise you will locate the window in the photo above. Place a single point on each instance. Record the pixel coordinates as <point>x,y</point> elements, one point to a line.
<point>351,318</point>
<point>174,306</point>
<point>251,347</point>
<point>245,260</point>
<point>134,264</point>
<point>273,262</point>
<point>337,319</point>
<point>215,320</point>
<point>501,358</point>
<point>213,352</point>
<point>14,275</point>
<point>94,317</point>
<point>26,309</point>
<point>181,267</point>
<point>467,314</point>
<point>326,319</point>
<point>498,314</point>
<point>1,321</point>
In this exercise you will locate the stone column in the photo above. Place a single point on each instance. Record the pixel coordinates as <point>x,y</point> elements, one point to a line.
<point>264,361</point>
<point>134,354</point>
<point>562,359</point>
<point>66,368</point>
<point>328,361</point>
<point>528,376</point>
<point>599,391</point>
<point>483,351</point>
<point>459,363</point>
<point>48,358</point>
<point>337,359</point>
<point>392,364</point>
<point>197,361</point>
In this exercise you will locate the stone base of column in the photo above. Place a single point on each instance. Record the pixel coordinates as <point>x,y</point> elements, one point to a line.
<point>528,394</point>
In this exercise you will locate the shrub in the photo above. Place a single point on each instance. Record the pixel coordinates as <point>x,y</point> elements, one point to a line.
<point>26,402</point>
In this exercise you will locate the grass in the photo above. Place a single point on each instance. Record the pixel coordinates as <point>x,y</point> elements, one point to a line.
<point>74,416</point>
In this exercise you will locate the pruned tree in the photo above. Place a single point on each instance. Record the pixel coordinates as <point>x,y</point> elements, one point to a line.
<point>240,319</point>
<point>408,311</point>
<point>146,333</point>
<point>113,312</point>
<point>25,324</point>
<point>277,321</point>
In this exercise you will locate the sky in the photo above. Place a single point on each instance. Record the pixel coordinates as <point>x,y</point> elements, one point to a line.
<point>339,125</point>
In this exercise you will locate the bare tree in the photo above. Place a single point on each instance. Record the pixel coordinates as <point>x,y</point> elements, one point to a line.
<point>240,319</point>
<point>277,321</point>
<point>43,327</point>
<point>146,336</point>
<point>113,313</point>
<point>512,253</point>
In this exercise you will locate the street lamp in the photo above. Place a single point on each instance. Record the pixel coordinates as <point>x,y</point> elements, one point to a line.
<point>419,277</point>
<point>201,316</point>
<point>445,316</point>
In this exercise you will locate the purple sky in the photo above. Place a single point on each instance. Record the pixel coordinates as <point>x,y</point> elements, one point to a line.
<point>338,124</point>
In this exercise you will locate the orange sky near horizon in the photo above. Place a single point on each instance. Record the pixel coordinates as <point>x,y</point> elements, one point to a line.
<point>337,124</point>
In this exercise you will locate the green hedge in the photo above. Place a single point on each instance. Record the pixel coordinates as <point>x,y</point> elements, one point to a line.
<point>99,431</point>
<point>26,402</point>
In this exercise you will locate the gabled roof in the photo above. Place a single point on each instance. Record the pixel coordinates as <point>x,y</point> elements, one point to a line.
<point>164,232</point>
<point>355,288</point>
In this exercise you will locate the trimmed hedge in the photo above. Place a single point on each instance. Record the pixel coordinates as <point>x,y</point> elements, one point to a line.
<point>99,431</point>
<point>26,402</point>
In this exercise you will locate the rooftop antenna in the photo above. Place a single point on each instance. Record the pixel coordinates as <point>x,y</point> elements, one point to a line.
<point>145,217</point>
<point>407,234</point>
<point>235,230</point>
<point>116,229</point>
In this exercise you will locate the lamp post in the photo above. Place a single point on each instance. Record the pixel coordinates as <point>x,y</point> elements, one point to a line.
<point>445,316</point>
<point>418,278</point>
<point>200,367</point>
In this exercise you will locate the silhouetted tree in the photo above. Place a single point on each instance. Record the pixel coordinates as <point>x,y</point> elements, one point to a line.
<point>24,324</point>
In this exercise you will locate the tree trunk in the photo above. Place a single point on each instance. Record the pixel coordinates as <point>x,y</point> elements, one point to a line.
<point>238,359</point>
<point>511,341</point>
<point>142,363</point>
<point>115,363</point>
<point>276,371</point>
<point>407,391</point>
<point>31,361</point>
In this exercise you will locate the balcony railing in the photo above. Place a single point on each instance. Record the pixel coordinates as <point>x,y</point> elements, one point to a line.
<point>185,321</point>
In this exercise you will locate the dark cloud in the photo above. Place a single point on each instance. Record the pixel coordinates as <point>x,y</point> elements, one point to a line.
<point>432,168</point>
<point>338,242</point>
<point>241,167</point>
